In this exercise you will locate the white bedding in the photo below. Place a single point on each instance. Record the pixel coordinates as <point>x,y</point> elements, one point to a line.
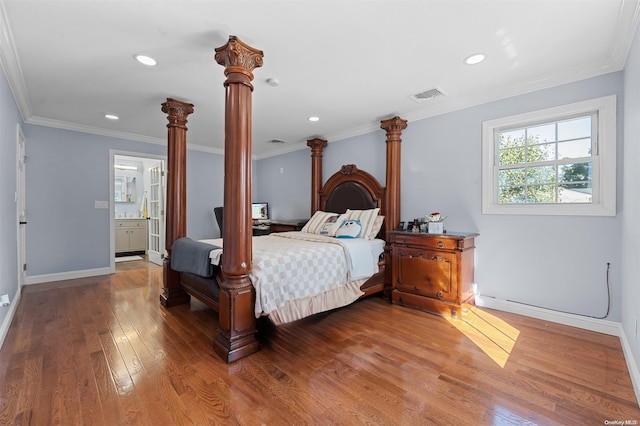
<point>296,274</point>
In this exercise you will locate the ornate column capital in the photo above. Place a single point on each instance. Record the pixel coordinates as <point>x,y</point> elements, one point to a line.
<point>238,57</point>
<point>177,112</point>
<point>393,125</point>
<point>316,145</point>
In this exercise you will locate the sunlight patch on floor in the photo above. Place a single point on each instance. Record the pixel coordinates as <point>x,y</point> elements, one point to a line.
<point>493,335</point>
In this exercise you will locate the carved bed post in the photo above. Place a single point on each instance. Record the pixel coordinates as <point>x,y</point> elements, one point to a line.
<point>237,323</point>
<point>394,127</point>
<point>316,145</point>
<point>176,225</point>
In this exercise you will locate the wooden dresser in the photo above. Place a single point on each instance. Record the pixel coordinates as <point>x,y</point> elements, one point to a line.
<point>432,272</point>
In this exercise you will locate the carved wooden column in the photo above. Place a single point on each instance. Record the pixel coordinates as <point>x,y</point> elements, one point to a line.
<point>394,127</point>
<point>237,323</point>
<point>316,145</point>
<point>176,210</point>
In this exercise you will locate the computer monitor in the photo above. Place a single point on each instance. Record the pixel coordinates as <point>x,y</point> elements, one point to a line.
<point>260,211</point>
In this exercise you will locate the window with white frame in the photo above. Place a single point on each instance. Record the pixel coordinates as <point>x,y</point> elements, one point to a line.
<point>557,161</point>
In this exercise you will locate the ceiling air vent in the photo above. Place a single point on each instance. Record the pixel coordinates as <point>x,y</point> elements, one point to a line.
<point>427,95</point>
<point>276,141</point>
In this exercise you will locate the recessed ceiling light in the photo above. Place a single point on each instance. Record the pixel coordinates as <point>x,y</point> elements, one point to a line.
<point>273,82</point>
<point>111,117</point>
<point>146,60</point>
<point>313,118</point>
<point>476,58</point>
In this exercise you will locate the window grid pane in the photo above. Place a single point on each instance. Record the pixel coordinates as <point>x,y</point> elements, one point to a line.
<point>536,164</point>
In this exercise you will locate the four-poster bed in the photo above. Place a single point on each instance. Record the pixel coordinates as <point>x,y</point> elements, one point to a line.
<point>230,291</point>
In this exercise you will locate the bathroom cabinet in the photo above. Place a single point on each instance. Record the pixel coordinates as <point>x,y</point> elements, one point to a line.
<point>131,235</point>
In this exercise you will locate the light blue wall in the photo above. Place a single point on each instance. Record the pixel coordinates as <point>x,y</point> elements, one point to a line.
<point>630,236</point>
<point>205,190</point>
<point>551,261</point>
<point>368,152</point>
<point>68,171</point>
<point>285,183</point>
<point>555,262</point>
<point>9,119</point>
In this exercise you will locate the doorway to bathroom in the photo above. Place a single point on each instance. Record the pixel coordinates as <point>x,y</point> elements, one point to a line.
<point>138,205</point>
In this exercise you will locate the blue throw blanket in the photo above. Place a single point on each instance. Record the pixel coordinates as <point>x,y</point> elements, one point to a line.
<point>192,256</point>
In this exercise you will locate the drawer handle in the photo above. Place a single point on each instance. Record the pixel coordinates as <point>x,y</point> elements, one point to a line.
<point>411,255</point>
<point>436,257</point>
<point>440,244</point>
<point>439,294</point>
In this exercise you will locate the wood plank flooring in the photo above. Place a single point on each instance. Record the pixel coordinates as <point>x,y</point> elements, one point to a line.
<point>103,351</point>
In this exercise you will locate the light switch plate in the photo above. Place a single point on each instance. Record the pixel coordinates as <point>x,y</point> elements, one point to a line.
<point>102,204</point>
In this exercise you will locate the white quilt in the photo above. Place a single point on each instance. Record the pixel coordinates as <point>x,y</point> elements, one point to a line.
<point>297,274</point>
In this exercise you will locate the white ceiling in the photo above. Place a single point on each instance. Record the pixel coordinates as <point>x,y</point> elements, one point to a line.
<point>352,63</point>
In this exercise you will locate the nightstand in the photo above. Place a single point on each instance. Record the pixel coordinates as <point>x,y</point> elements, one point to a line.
<point>288,225</point>
<point>432,272</point>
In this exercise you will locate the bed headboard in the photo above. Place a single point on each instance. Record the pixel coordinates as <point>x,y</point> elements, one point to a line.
<point>350,188</point>
<point>353,188</point>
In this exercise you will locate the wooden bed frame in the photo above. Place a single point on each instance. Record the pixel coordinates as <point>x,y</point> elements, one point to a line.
<point>230,292</point>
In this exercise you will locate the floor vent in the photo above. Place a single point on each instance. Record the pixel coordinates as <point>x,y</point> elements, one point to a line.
<point>427,95</point>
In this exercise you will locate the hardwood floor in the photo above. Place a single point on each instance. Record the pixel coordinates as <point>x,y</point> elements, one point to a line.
<point>104,351</point>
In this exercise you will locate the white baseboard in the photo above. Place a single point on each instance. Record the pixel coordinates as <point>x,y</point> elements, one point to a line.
<point>632,365</point>
<point>71,275</point>
<point>587,323</point>
<point>4,327</point>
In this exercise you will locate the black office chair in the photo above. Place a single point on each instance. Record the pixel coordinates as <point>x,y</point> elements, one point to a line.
<point>218,212</point>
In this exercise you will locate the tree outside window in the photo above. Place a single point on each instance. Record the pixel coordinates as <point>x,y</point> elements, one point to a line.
<point>538,164</point>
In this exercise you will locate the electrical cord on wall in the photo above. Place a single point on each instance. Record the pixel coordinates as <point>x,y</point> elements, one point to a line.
<point>573,313</point>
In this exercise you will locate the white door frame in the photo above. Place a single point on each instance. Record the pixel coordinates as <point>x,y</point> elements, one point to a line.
<point>21,203</point>
<point>112,205</point>
<point>156,217</point>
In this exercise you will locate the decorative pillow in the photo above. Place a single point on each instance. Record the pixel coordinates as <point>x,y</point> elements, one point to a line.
<point>349,229</point>
<point>331,225</point>
<point>377,225</point>
<point>316,224</point>
<point>366,217</point>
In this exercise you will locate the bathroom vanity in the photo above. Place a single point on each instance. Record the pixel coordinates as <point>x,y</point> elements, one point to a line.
<point>131,235</point>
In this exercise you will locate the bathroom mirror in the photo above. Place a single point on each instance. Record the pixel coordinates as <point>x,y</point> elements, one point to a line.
<point>125,189</point>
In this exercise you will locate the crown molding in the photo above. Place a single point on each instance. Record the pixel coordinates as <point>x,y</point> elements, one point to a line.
<point>444,106</point>
<point>627,25</point>
<point>628,19</point>
<point>11,66</point>
<point>66,125</point>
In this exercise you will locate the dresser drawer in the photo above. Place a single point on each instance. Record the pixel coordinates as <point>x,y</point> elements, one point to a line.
<point>438,242</point>
<point>141,223</point>
<point>432,272</point>
<point>425,272</point>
